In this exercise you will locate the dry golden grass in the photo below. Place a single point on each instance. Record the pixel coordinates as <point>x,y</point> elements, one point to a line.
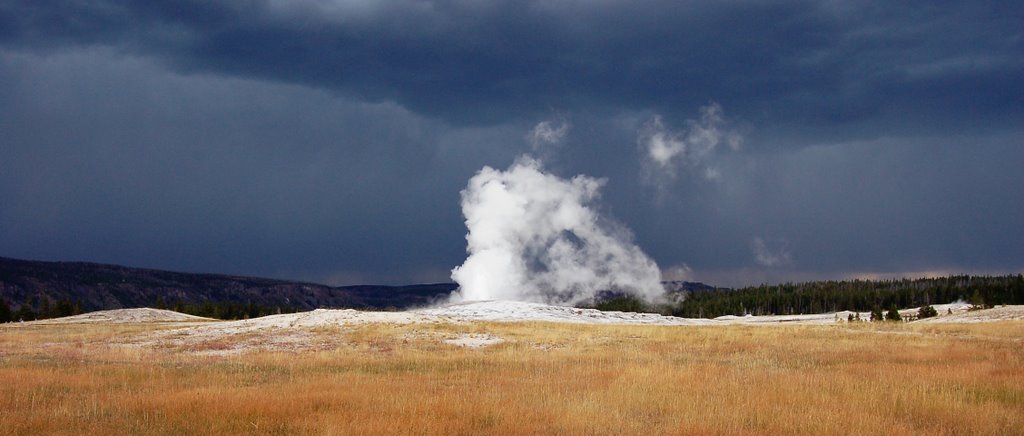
<point>545,378</point>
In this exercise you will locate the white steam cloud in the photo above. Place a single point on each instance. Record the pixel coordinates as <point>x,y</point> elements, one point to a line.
<point>666,151</point>
<point>536,237</point>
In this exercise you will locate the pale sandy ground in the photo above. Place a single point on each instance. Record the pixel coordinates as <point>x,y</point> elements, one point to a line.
<point>119,316</point>
<point>297,331</point>
<point>475,340</point>
<point>999,313</point>
<point>511,311</point>
<point>959,308</point>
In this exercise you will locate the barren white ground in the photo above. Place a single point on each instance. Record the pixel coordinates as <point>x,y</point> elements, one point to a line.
<point>296,331</point>
<point>511,311</point>
<point>120,316</point>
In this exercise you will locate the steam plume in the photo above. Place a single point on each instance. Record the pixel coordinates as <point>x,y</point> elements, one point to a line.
<point>536,237</point>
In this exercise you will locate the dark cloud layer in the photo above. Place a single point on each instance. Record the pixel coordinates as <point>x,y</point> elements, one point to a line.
<point>328,140</point>
<point>484,62</point>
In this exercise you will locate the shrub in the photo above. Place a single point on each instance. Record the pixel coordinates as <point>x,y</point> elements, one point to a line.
<point>926,312</point>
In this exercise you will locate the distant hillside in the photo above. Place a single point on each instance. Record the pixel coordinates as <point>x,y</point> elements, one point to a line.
<point>91,286</point>
<point>687,288</point>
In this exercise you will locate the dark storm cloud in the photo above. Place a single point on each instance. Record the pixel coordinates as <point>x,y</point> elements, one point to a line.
<point>112,159</point>
<point>884,206</point>
<point>841,65</point>
<point>328,140</point>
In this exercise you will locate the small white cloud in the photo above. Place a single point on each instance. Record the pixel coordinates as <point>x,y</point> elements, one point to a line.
<point>666,152</point>
<point>662,146</point>
<point>678,273</point>
<point>548,133</point>
<point>764,256</point>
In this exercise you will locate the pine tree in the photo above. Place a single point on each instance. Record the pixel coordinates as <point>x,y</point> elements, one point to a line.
<point>977,301</point>
<point>876,314</point>
<point>45,311</point>
<point>25,312</point>
<point>5,311</point>
<point>893,314</point>
<point>65,308</point>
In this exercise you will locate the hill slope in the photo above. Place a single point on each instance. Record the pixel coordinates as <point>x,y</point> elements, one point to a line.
<point>95,286</point>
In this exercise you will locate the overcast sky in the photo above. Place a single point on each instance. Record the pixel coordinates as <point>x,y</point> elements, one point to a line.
<point>328,140</point>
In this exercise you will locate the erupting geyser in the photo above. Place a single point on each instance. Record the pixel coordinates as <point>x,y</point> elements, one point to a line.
<point>536,237</point>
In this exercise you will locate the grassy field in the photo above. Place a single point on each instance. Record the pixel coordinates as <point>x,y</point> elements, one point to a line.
<point>544,378</point>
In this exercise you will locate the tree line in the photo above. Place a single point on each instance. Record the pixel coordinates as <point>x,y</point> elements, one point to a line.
<point>43,307</point>
<point>781,299</point>
<point>225,310</point>
<point>853,295</point>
